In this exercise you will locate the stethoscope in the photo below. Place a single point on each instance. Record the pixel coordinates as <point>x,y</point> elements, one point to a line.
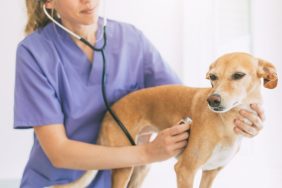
<point>101,49</point>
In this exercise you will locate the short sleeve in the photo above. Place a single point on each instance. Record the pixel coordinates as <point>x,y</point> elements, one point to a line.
<point>156,70</point>
<point>35,100</point>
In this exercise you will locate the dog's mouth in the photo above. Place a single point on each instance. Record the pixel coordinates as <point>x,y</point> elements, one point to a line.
<point>222,109</point>
<point>218,109</point>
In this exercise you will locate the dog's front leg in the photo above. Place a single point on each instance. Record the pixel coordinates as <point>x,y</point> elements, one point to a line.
<point>192,159</point>
<point>207,178</point>
<point>185,175</point>
<point>121,177</point>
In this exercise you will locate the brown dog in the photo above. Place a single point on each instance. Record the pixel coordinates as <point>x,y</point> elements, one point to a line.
<point>236,83</point>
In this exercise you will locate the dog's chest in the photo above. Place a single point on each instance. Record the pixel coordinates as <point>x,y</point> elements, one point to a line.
<point>222,155</point>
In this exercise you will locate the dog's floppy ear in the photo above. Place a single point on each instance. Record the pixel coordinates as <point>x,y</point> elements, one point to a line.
<point>268,72</point>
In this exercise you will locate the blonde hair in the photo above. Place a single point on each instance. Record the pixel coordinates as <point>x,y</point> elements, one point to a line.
<point>36,17</point>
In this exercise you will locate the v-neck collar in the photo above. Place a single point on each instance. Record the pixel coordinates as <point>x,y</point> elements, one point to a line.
<point>90,72</point>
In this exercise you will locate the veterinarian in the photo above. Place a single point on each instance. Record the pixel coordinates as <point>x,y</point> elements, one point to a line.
<point>58,93</point>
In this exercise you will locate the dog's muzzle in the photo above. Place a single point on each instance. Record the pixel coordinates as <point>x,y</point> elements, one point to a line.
<point>214,102</point>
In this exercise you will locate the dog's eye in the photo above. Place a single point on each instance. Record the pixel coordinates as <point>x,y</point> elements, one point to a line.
<point>238,76</point>
<point>213,77</point>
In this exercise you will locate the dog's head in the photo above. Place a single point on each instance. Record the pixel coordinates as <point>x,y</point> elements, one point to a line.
<point>235,78</point>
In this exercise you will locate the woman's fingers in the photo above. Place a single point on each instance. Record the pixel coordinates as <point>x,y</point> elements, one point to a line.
<point>249,124</point>
<point>169,142</point>
<point>245,129</point>
<point>180,145</point>
<point>253,118</point>
<point>177,129</point>
<point>180,137</point>
<point>258,108</point>
<point>241,132</point>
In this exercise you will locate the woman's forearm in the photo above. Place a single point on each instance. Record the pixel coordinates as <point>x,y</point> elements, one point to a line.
<point>70,154</point>
<point>84,156</point>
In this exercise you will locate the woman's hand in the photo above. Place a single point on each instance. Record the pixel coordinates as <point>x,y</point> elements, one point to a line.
<point>250,124</point>
<point>168,143</point>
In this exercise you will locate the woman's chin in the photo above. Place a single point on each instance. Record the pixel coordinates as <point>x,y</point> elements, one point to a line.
<point>89,20</point>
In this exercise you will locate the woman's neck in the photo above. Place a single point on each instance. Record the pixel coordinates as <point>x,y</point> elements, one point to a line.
<point>85,31</point>
<point>88,33</point>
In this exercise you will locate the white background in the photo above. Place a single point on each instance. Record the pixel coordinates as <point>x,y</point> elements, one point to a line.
<point>190,35</point>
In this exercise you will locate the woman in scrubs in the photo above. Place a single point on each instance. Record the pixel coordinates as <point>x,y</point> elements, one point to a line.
<point>58,93</point>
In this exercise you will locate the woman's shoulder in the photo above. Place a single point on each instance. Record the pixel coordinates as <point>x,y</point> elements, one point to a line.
<point>121,27</point>
<point>40,39</point>
<point>125,34</point>
<point>38,47</point>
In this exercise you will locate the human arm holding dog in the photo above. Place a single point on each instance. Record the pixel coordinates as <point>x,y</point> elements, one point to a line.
<point>67,153</point>
<point>71,154</point>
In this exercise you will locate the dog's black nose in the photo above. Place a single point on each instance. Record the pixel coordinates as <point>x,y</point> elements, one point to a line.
<point>214,100</point>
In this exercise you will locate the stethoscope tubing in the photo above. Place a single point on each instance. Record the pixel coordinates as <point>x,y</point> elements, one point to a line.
<point>116,118</point>
<point>103,88</point>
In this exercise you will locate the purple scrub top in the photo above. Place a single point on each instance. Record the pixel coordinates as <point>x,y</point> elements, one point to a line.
<point>56,84</point>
